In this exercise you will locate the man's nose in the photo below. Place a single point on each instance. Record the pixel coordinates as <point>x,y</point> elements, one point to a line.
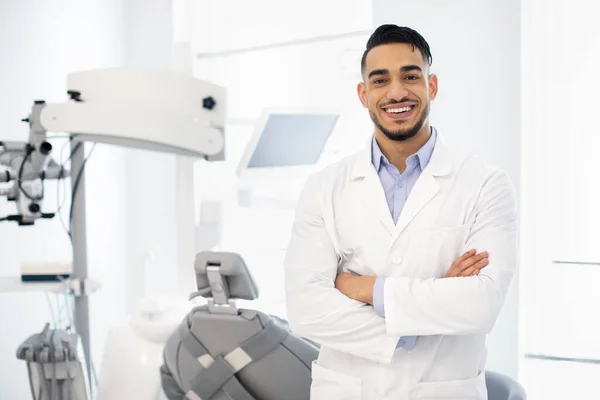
<point>397,91</point>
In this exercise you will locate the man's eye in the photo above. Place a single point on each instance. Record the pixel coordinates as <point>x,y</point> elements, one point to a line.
<point>412,77</point>
<point>378,81</point>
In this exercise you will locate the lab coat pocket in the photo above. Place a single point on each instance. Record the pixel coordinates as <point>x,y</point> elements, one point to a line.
<point>463,389</point>
<point>328,385</point>
<point>438,247</point>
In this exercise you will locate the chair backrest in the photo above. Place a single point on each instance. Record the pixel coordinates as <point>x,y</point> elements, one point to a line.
<point>223,277</point>
<point>501,387</point>
<point>221,352</point>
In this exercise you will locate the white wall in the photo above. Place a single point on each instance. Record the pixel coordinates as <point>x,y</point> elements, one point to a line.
<point>560,185</point>
<point>264,53</point>
<point>40,42</point>
<point>476,54</point>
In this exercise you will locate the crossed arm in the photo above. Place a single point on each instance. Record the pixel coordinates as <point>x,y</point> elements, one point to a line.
<point>335,310</point>
<point>361,287</point>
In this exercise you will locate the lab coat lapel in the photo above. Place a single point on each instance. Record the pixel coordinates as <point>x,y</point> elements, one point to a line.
<point>374,197</point>
<point>371,189</point>
<point>426,187</point>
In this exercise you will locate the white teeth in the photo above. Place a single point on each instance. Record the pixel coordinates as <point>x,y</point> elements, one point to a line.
<point>399,110</point>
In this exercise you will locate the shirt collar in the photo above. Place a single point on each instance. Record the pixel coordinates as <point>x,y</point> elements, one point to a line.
<point>423,154</point>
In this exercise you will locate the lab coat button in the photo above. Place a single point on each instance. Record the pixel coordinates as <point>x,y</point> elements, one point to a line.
<point>397,259</point>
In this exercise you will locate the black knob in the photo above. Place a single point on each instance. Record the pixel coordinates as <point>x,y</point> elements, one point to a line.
<point>209,103</point>
<point>45,148</point>
<point>39,102</point>
<point>34,208</point>
<point>74,95</point>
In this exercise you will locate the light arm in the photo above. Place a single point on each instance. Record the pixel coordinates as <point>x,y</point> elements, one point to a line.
<point>144,109</point>
<point>463,305</point>
<point>316,309</point>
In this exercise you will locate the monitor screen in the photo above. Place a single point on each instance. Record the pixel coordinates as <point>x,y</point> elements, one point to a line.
<point>291,139</point>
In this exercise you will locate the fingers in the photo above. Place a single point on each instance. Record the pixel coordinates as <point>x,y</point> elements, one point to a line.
<point>465,256</point>
<point>468,264</point>
<point>474,264</point>
<point>476,268</point>
<point>455,267</point>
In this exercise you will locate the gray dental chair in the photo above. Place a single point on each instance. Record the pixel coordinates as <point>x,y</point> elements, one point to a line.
<point>220,352</point>
<point>501,387</point>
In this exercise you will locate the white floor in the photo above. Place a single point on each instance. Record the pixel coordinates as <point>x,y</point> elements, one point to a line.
<point>560,380</point>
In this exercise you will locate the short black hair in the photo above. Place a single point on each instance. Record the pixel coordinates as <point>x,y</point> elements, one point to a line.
<point>389,34</point>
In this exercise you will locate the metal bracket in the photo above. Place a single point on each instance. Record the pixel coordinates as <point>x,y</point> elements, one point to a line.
<point>75,287</point>
<point>219,303</point>
<point>81,287</point>
<point>217,308</point>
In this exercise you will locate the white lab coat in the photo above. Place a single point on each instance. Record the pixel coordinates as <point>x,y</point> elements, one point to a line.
<point>343,223</point>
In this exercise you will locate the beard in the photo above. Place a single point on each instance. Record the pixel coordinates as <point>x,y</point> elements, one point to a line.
<point>402,134</point>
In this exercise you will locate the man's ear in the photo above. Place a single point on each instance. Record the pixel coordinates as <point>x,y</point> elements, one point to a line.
<point>433,86</point>
<point>362,93</point>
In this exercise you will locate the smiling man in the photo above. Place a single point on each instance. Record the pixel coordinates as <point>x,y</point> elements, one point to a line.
<point>401,255</point>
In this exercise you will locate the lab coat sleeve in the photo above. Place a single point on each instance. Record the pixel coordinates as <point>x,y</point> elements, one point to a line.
<point>316,310</point>
<point>463,305</point>
<point>378,296</point>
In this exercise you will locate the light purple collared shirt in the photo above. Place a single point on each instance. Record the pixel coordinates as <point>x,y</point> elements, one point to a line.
<point>397,187</point>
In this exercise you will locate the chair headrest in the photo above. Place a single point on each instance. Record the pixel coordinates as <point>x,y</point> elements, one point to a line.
<point>224,275</point>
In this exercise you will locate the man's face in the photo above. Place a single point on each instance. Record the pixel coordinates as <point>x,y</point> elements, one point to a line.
<point>397,89</point>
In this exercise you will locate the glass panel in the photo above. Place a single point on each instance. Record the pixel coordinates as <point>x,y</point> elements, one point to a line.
<point>562,316</point>
<point>553,380</point>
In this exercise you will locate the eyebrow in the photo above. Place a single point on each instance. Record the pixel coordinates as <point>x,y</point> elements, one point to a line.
<point>405,68</point>
<point>378,72</point>
<point>408,68</point>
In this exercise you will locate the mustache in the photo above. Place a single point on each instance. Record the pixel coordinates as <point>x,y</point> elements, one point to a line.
<point>404,100</point>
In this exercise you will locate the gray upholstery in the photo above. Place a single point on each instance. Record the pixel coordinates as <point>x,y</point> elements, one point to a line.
<point>501,387</point>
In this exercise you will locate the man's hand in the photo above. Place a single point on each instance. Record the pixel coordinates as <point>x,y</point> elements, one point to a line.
<point>356,287</point>
<point>469,264</point>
